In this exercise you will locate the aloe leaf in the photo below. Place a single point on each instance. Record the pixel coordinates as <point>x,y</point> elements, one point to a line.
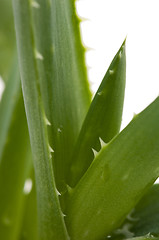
<point>147,237</point>
<point>104,117</point>
<point>7,37</point>
<point>7,106</point>
<point>15,158</point>
<point>29,230</point>
<point>50,218</point>
<point>116,180</point>
<point>63,78</point>
<point>145,217</point>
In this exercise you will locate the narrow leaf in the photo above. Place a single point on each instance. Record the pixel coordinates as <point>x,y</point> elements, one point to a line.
<point>15,158</point>
<point>117,179</point>
<point>104,117</point>
<point>63,79</point>
<point>7,37</point>
<point>29,229</point>
<point>50,218</point>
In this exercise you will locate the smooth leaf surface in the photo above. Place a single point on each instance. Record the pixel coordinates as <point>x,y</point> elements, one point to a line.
<point>7,37</point>
<point>7,105</point>
<point>63,78</point>
<point>15,158</point>
<point>104,117</point>
<point>50,218</point>
<point>29,229</point>
<point>117,178</point>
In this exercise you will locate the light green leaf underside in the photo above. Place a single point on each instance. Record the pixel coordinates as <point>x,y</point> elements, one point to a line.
<point>117,178</point>
<point>63,78</point>
<point>104,117</point>
<point>15,158</point>
<point>7,37</point>
<point>50,218</point>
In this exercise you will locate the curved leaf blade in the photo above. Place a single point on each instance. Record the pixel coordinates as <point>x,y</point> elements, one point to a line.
<point>63,78</point>
<point>117,178</point>
<point>50,217</point>
<point>103,119</point>
<point>15,158</point>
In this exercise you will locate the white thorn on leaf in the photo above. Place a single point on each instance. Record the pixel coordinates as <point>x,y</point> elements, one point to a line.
<point>50,149</point>
<point>64,215</point>
<point>58,193</point>
<point>35,4</point>
<point>47,121</point>
<point>111,71</point>
<point>102,143</point>
<point>38,55</point>
<point>94,152</point>
<point>120,54</point>
<point>59,130</point>
<point>99,93</point>
<point>125,230</point>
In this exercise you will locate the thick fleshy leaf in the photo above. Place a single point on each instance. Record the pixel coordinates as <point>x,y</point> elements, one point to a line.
<point>15,158</point>
<point>104,117</point>
<point>63,79</point>
<point>116,180</point>
<point>143,219</point>
<point>50,217</point>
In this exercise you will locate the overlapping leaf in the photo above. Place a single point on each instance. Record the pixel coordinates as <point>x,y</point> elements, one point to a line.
<point>15,158</point>
<point>103,119</point>
<point>50,218</point>
<point>117,178</point>
<point>63,79</point>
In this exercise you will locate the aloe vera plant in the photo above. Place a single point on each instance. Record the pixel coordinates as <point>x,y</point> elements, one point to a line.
<point>71,174</point>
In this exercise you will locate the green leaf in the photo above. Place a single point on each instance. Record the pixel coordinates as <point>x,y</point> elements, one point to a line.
<point>29,229</point>
<point>7,105</point>
<point>116,180</point>
<point>15,158</point>
<point>7,37</point>
<point>63,78</point>
<point>145,217</point>
<point>50,218</point>
<point>104,117</point>
<point>147,237</point>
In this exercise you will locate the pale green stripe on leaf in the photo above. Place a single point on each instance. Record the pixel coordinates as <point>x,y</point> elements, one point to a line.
<point>117,179</point>
<point>104,117</point>
<point>50,218</point>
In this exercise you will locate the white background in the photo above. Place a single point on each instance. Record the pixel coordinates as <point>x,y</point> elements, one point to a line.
<point>109,22</point>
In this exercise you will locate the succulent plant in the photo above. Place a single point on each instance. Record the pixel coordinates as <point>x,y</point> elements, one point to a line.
<point>66,170</point>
